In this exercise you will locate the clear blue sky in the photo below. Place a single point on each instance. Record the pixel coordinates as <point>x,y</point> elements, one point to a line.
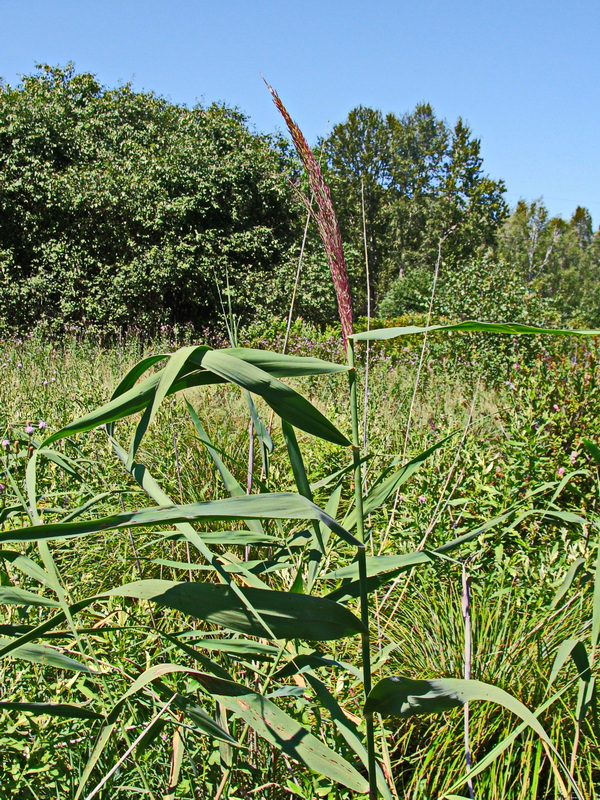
<point>524,74</point>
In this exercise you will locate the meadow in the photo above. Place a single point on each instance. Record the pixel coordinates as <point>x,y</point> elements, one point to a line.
<point>348,561</point>
<point>475,499</point>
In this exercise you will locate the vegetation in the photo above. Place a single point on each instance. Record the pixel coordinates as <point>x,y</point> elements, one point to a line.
<point>420,183</point>
<point>121,209</point>
<point>518,451</point>
<point>373,571</point>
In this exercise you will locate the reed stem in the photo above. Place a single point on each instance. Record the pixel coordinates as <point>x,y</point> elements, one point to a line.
<point>362,568</point>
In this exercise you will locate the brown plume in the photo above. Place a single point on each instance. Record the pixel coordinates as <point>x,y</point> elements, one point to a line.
<point>325,218</point>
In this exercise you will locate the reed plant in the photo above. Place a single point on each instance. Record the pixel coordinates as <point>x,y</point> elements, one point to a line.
<point>262,615</point>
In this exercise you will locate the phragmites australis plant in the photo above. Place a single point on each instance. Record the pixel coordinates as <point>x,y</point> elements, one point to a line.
<point>258,639</point>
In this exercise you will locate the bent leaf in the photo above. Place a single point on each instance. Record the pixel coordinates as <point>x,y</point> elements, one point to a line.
<point>280,730</point>
<point>404,697</point>
<point>53,710</point>
<point>42,654</point>
<point>284,401</point>
<point>281,505</point>
<point>10,595</point>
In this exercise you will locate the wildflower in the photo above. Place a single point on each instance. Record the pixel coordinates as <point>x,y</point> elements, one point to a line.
<point>574,456</point>
<point>42,424</point>
<point>556,407</point>
<point>560,472</point>
<point>6,443</point>
<point>422,499</point>
<point>44,382</point>
<point>19,365</point>
<point>2,488</point>
<point>29,428</point>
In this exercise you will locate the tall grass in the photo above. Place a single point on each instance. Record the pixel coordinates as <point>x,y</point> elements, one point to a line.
<point>159,627</point>
<point>507,567</point>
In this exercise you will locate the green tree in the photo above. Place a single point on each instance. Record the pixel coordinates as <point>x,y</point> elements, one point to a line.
<point>558,259</point>
<point>422,185</point>
<point>118,207</point>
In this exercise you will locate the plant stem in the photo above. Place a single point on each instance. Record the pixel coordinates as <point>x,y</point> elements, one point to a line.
<point>362,568</point>
<point>468,654</point>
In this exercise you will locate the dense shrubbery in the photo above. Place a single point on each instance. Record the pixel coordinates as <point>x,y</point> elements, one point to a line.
<point>118,208</point>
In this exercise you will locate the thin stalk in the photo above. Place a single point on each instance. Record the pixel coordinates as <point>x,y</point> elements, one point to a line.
<point>129,750</point>
<point>180,485</point>
<point>368,351</point>
<point>288,326</point>
<point>468,654</point>
<point>362,568</point>
<point>417,380</point>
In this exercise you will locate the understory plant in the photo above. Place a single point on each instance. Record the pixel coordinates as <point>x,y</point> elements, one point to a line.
<point>271,629</point>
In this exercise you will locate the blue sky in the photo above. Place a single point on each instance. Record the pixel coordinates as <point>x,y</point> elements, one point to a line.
<point>524,74</point>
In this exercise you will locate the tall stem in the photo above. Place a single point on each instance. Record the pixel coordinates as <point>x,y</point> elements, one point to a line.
<point>362,568</point>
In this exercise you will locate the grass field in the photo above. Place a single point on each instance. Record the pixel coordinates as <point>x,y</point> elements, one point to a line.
<point>517,606</point>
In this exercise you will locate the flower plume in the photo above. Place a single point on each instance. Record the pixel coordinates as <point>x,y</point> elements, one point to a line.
<point>325,218</point>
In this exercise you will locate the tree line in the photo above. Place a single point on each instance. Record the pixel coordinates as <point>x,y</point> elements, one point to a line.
<point>120,208</point>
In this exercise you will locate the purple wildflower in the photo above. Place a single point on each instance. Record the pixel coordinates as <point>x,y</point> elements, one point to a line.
<point>421,499</point>
<point>29,428</point>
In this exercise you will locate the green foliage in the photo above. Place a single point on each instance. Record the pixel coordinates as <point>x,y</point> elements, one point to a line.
<point>556,258</point>
<point>119,208</point>
<point>423,185</point>
<point>191,656</point>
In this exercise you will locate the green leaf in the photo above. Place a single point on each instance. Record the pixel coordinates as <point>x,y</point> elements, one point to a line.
<point>53,710</point>
<point>288,615</point>
<point>511,328</point>
<point>283,732</point>
<point>284,366</point>
<point>21,597</point>
<point>348,730</point>
<point>575,649</point>
<point>317,552</point>
<point>567,581</point>
<point>592,449</point>
<point>231,484</point>
<point>286,402</point>
<point>168,376</point>
<point>284,505</point>
<point>27,566</point>
<point>404,697</point>
<point>390,566</point>
<point>238,648</point>
<point>382,564</point>
<point>228,538</point>
<point>42,654</point>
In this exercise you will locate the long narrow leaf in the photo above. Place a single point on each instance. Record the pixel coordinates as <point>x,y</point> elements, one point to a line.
<point>284,505</point>
<point>511,328</point>
<point>404,697</point>
<point>53,710</point>
<point>280,730</point>
<point>288,615</point>
<point>286,402</point>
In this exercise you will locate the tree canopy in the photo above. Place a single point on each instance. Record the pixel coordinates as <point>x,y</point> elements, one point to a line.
<point>422,186</point>
<point>119,208</point>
